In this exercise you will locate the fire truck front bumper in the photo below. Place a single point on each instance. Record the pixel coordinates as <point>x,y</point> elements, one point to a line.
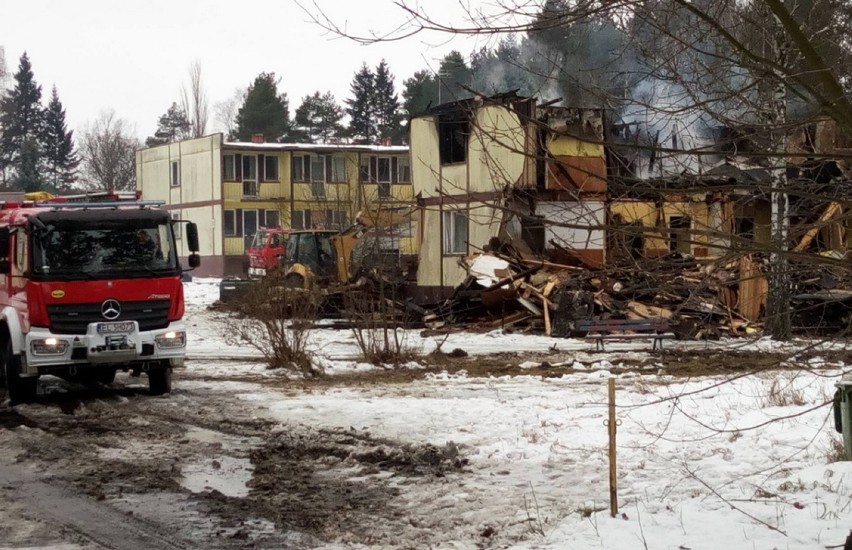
<point>115,343</point>
<point>256,272</point>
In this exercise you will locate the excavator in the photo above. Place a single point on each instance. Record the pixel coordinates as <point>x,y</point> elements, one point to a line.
<point>372,252</point>
<point>366,252</point>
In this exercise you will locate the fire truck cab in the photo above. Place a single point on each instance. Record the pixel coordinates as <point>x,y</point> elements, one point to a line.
<point>87,289</point>
<point>266,249</point>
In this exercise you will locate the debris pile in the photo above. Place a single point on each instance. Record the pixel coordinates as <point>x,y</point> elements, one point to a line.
<point>709,299</point>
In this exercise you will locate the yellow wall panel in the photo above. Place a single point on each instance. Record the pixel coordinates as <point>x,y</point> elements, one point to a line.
<point>234,246</point>
<point>572,147</point>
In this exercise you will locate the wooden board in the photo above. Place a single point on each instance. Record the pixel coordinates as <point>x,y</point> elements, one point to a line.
<point>752,291</point>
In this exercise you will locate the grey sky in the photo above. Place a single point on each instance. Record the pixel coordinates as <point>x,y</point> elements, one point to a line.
<point>133,57</point>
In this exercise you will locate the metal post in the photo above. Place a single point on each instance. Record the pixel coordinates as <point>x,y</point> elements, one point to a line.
<point>611,424</point>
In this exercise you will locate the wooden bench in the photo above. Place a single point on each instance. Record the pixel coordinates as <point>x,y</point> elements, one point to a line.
<point>657,329</point>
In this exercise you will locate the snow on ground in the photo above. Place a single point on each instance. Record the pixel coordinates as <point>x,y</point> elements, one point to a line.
<point>705,462</point>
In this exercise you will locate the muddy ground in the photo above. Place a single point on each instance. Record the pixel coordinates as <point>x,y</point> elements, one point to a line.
<point>112,467</point>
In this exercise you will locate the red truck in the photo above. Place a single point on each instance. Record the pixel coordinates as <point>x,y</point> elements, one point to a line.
<point>87,289</point>
<point>266,250</point>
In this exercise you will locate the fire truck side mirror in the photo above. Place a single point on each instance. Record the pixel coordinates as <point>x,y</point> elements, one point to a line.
<point>192,236</point>
<point>194,261</point>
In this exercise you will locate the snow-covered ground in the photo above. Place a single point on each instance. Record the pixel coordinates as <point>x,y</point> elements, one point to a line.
<point>706,462</point>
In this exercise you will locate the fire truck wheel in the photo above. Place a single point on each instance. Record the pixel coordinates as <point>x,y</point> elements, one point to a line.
<point>19,390</point>
<point>160,380</point>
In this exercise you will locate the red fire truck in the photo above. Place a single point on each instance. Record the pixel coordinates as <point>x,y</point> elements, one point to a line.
<point>87,289</point>
<point>266,250</point>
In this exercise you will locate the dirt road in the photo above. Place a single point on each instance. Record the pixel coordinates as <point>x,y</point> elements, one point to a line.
<point>116,468</point>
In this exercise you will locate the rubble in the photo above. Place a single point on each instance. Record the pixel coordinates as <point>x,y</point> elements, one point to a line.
<point>701,299</point>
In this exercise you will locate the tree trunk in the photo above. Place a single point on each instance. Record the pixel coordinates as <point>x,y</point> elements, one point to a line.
<point>777,320</point>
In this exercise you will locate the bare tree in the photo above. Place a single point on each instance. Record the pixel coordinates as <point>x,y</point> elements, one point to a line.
<point>108,148</point>
<point>226,112</point>
<point>194,101</point>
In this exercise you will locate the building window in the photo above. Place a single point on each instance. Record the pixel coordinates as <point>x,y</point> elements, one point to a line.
<point>229,172</point>
<point>270,168</point>
<point>317,176</point>
<point>249,167</point>
<point>364,169</point>
<point>297,168</point>
<point>453,133</point>
<point>317,168</point>
<point>404,170</point>
<point>273,218</point>
<point>230,223</point>
<point>455,232</point>
<point>383,170</point>
<point>338,169</point>
<point>335,219</point>
<point>250,224</point>
<point>301,219</point>
<point>174,179</point>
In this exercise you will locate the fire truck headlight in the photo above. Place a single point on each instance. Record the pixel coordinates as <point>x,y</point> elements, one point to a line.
<point>49,346</point>
<point>172,339</point>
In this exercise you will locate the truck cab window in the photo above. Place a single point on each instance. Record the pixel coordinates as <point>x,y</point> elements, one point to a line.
<point>83,251</point>
<point>21,256</point>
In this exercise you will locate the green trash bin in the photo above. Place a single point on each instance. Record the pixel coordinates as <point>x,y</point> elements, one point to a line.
<point>843,413</point>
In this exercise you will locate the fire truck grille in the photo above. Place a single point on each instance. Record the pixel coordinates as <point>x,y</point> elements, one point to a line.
<point>75,318</point>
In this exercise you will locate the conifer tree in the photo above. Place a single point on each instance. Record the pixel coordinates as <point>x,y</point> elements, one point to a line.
<point>28,176</point>
<point>361,107</point>
<point>172,126</point>
<point>453,75</point>
<point>318,118</point>
<point>264,111</point>
<point>386,104</point>
<point>419,93</point>
<point>22,119</point>
<point>60,157</point>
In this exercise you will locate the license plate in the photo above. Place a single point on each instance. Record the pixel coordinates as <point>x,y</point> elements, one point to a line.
<point>118,327</point>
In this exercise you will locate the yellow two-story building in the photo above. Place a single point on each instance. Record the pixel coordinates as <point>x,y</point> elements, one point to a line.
<point>230,189</point>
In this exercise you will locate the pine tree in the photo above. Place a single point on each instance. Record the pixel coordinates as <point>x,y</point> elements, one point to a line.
<point>362,121</point>
<point>420,92</point>
<point>172,126</point>
<point>22,119</point>
<point>318,118</point>
<point>453,74</point>
<point>28,176</point>
<point>60,157</point>
<point>386,104</point>
<point>264,111</point>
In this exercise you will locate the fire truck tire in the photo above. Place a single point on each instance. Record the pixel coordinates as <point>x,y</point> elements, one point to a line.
<point>18,389</point>
<point>160,380</point>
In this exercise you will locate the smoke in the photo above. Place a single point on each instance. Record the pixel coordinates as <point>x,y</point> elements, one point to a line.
<point>670,129</point>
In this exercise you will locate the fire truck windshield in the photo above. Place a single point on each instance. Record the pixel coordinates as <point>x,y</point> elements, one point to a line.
<point>136,248</point>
